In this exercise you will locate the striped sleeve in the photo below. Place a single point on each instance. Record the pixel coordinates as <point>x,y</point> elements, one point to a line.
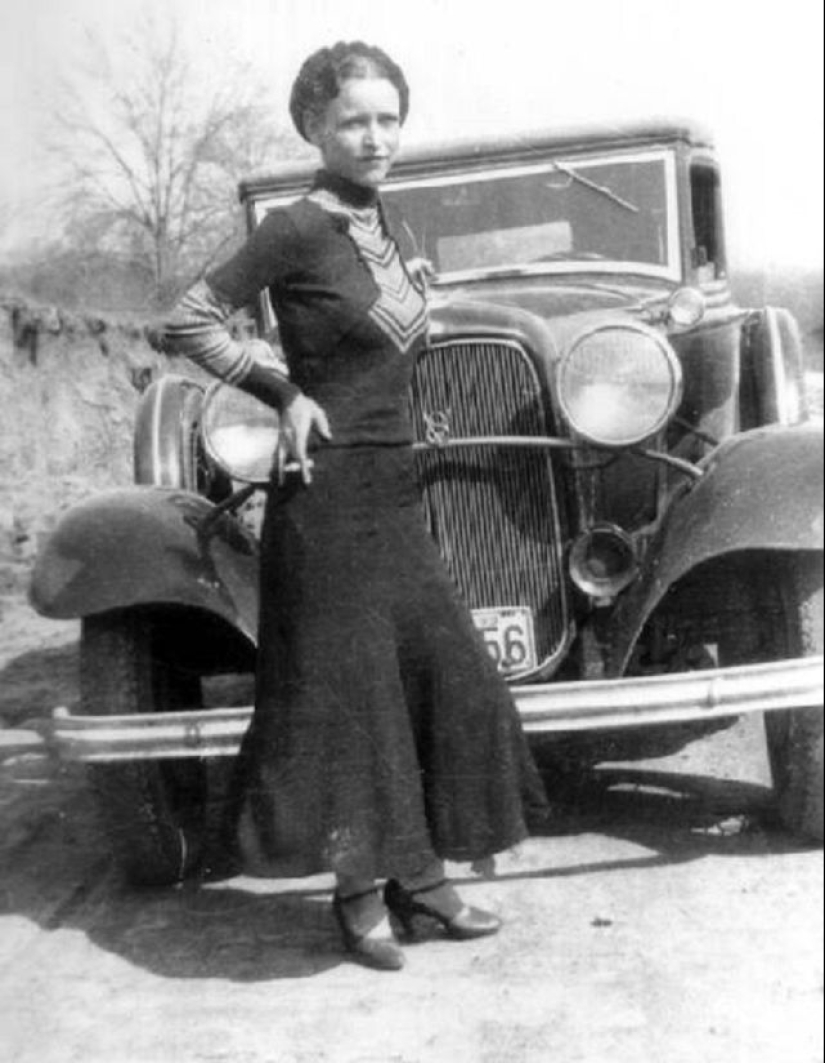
<point>198,329</point>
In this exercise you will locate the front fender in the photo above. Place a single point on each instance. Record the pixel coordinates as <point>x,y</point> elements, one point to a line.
<point>761,490</point>
<point>146,545</point>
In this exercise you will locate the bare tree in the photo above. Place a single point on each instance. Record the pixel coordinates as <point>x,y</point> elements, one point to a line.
<point>154,153</point>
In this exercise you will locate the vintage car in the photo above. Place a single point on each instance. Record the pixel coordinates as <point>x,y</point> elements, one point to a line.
<point>616,463</point>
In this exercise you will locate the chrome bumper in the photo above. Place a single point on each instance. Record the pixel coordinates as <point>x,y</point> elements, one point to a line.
<point>545,709</point>
<point>678,698</point>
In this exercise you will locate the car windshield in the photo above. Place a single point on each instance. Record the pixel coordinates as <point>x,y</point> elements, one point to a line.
<point>614,213</point>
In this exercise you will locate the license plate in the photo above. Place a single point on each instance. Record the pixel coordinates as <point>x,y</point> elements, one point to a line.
<point>508,634</point>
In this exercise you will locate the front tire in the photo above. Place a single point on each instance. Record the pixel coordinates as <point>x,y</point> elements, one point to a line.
<point>795,738</point>
<point>153,810</point>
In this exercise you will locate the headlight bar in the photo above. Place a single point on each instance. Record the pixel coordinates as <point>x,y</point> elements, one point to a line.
<point>558,443</point>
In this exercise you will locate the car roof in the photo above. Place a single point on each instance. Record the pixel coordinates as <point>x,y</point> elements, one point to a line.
<point>516,147</point>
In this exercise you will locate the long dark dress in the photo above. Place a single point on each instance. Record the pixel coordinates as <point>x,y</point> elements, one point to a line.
<point>382,733</point>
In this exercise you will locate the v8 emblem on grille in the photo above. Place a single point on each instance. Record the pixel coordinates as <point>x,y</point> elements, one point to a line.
<point>437,427</point>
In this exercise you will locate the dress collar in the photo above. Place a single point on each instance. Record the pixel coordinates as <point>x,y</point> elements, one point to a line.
<point>349,193</point>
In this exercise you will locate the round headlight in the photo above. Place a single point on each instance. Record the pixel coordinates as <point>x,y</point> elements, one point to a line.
<point>240,433</point>
<point>619,384</point>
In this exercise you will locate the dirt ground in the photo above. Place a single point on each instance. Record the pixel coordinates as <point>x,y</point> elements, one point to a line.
<point>658,918</point>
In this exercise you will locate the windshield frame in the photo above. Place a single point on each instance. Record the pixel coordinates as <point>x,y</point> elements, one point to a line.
<point>670,271</point>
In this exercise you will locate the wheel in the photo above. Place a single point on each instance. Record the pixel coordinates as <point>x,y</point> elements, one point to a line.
<point>154,810</point>
<point>795,738</point>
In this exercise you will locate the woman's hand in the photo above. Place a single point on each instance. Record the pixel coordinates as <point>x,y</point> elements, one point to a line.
<point>299,418</point>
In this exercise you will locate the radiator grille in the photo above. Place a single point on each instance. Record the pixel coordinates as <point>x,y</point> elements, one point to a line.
<point>492,510</point>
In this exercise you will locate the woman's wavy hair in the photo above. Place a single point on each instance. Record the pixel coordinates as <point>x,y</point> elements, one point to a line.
<point>320,78</point>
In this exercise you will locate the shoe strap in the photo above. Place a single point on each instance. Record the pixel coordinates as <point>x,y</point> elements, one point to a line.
<point>431,888</point>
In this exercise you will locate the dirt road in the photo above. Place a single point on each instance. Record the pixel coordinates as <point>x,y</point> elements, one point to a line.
<point>657,919</point>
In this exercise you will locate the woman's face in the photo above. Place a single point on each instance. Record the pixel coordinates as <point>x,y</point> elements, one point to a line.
<point>358,133</point>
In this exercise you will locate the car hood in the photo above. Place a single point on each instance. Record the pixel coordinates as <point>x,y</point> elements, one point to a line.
<point>549,298</point>
<point>543,316</point>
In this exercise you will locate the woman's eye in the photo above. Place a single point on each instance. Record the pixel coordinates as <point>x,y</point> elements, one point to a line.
<point>385,121</point>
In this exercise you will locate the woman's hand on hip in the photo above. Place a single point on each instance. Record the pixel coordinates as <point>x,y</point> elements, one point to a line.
<point>300,417</point>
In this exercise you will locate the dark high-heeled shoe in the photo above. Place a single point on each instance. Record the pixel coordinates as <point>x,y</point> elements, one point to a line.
<point>382,952</point>
<point>461,921</point>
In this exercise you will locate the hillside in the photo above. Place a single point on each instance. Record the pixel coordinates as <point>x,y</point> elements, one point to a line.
<point>69,386</point>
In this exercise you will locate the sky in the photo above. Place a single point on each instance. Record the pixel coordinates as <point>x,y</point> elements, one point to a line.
<point>751,72</point>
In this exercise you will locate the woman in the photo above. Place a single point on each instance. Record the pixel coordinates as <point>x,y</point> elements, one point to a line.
<point>383,739</point>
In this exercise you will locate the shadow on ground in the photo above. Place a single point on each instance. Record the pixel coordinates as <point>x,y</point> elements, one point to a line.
<point>57,873</point>
<point>679,816</point>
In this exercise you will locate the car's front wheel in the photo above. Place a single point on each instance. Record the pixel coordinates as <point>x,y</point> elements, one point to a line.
<point>795,738</point>
<point>153,810</point>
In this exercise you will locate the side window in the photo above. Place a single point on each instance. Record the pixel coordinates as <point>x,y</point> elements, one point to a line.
<point>708,252</point>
